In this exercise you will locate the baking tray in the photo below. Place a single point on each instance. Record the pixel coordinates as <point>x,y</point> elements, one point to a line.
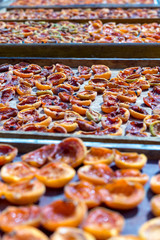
<point>78,50</point>
<point>133,218</point>
<point>115,64</point>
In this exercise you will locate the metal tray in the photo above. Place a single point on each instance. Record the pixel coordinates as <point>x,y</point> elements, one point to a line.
<point>7,4</point>
<point>116,20</point>
<point>83,50</point>
<point>133,218</point>
<point>115,65</point>
<point>80,50</point>
<point>104,20</point>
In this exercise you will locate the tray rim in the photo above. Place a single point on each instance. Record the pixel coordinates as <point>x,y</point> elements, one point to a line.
<point>103,20</point>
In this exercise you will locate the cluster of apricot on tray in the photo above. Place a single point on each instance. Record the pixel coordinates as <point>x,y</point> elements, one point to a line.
<point>79,13</point>
<point>89,208</point>
<point>76,2</point>
<point>57,99</point>
<point>96,31</point>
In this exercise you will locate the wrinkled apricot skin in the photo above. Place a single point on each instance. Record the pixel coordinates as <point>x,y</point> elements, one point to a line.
<point>103,223</point>
<point>122,195</point>
<point>70,232</point>
<point>55,175</point>
<point>71,151</point>
<point>64,213</point>
<point>39,157</point>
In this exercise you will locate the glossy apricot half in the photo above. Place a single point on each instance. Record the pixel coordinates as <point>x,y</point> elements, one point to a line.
<point>103,223</point>
<point>132,175</point>
<point>66,233</point>
<point>24,192</point>
<point>101,71</point>
<point>55,175</point>
<point>87,95</point>
<point>14,172</point>
<point>29,114</point>
<point>130,160</point>
<point>155,184</point>
<point>99,155</point>
<point>96,173</point>
<point>39,157</point>
<point>138,112</point>
<point>71,151</point>
<point>83,191</point>
<point>122,195</point>
<point>150,229</point>
<point>148,120</point>
<point>69,125</point>
<point>64,213</point>
<point>7,153</point>
<point>25,232</point>
<point>12,217</point>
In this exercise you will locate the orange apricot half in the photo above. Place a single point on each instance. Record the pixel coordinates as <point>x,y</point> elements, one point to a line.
<point>103,223</point>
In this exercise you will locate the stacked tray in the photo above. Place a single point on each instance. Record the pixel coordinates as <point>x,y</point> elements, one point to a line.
<point>117,56</point>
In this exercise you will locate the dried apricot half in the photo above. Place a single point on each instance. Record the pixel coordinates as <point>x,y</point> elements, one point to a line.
<point>130,160</point>
<point>25,232</point>
<point>14,172</point>
<point>7,153</point>
<point>83,191</point>
<point>96,173</point>
<point>64,213</point>
<point>24,192</point>
<point>99,155</point>
<point>17,216</point>
<point>56,174</point>
<point>155,184</point>
<point>150,229</point>
<point>155,205</point>
<point>39,157</point>
<point>71,151</point>
<point>64,233</point>
<point>103,223</point>
<point>132,175</point>
<point>121,194</point>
